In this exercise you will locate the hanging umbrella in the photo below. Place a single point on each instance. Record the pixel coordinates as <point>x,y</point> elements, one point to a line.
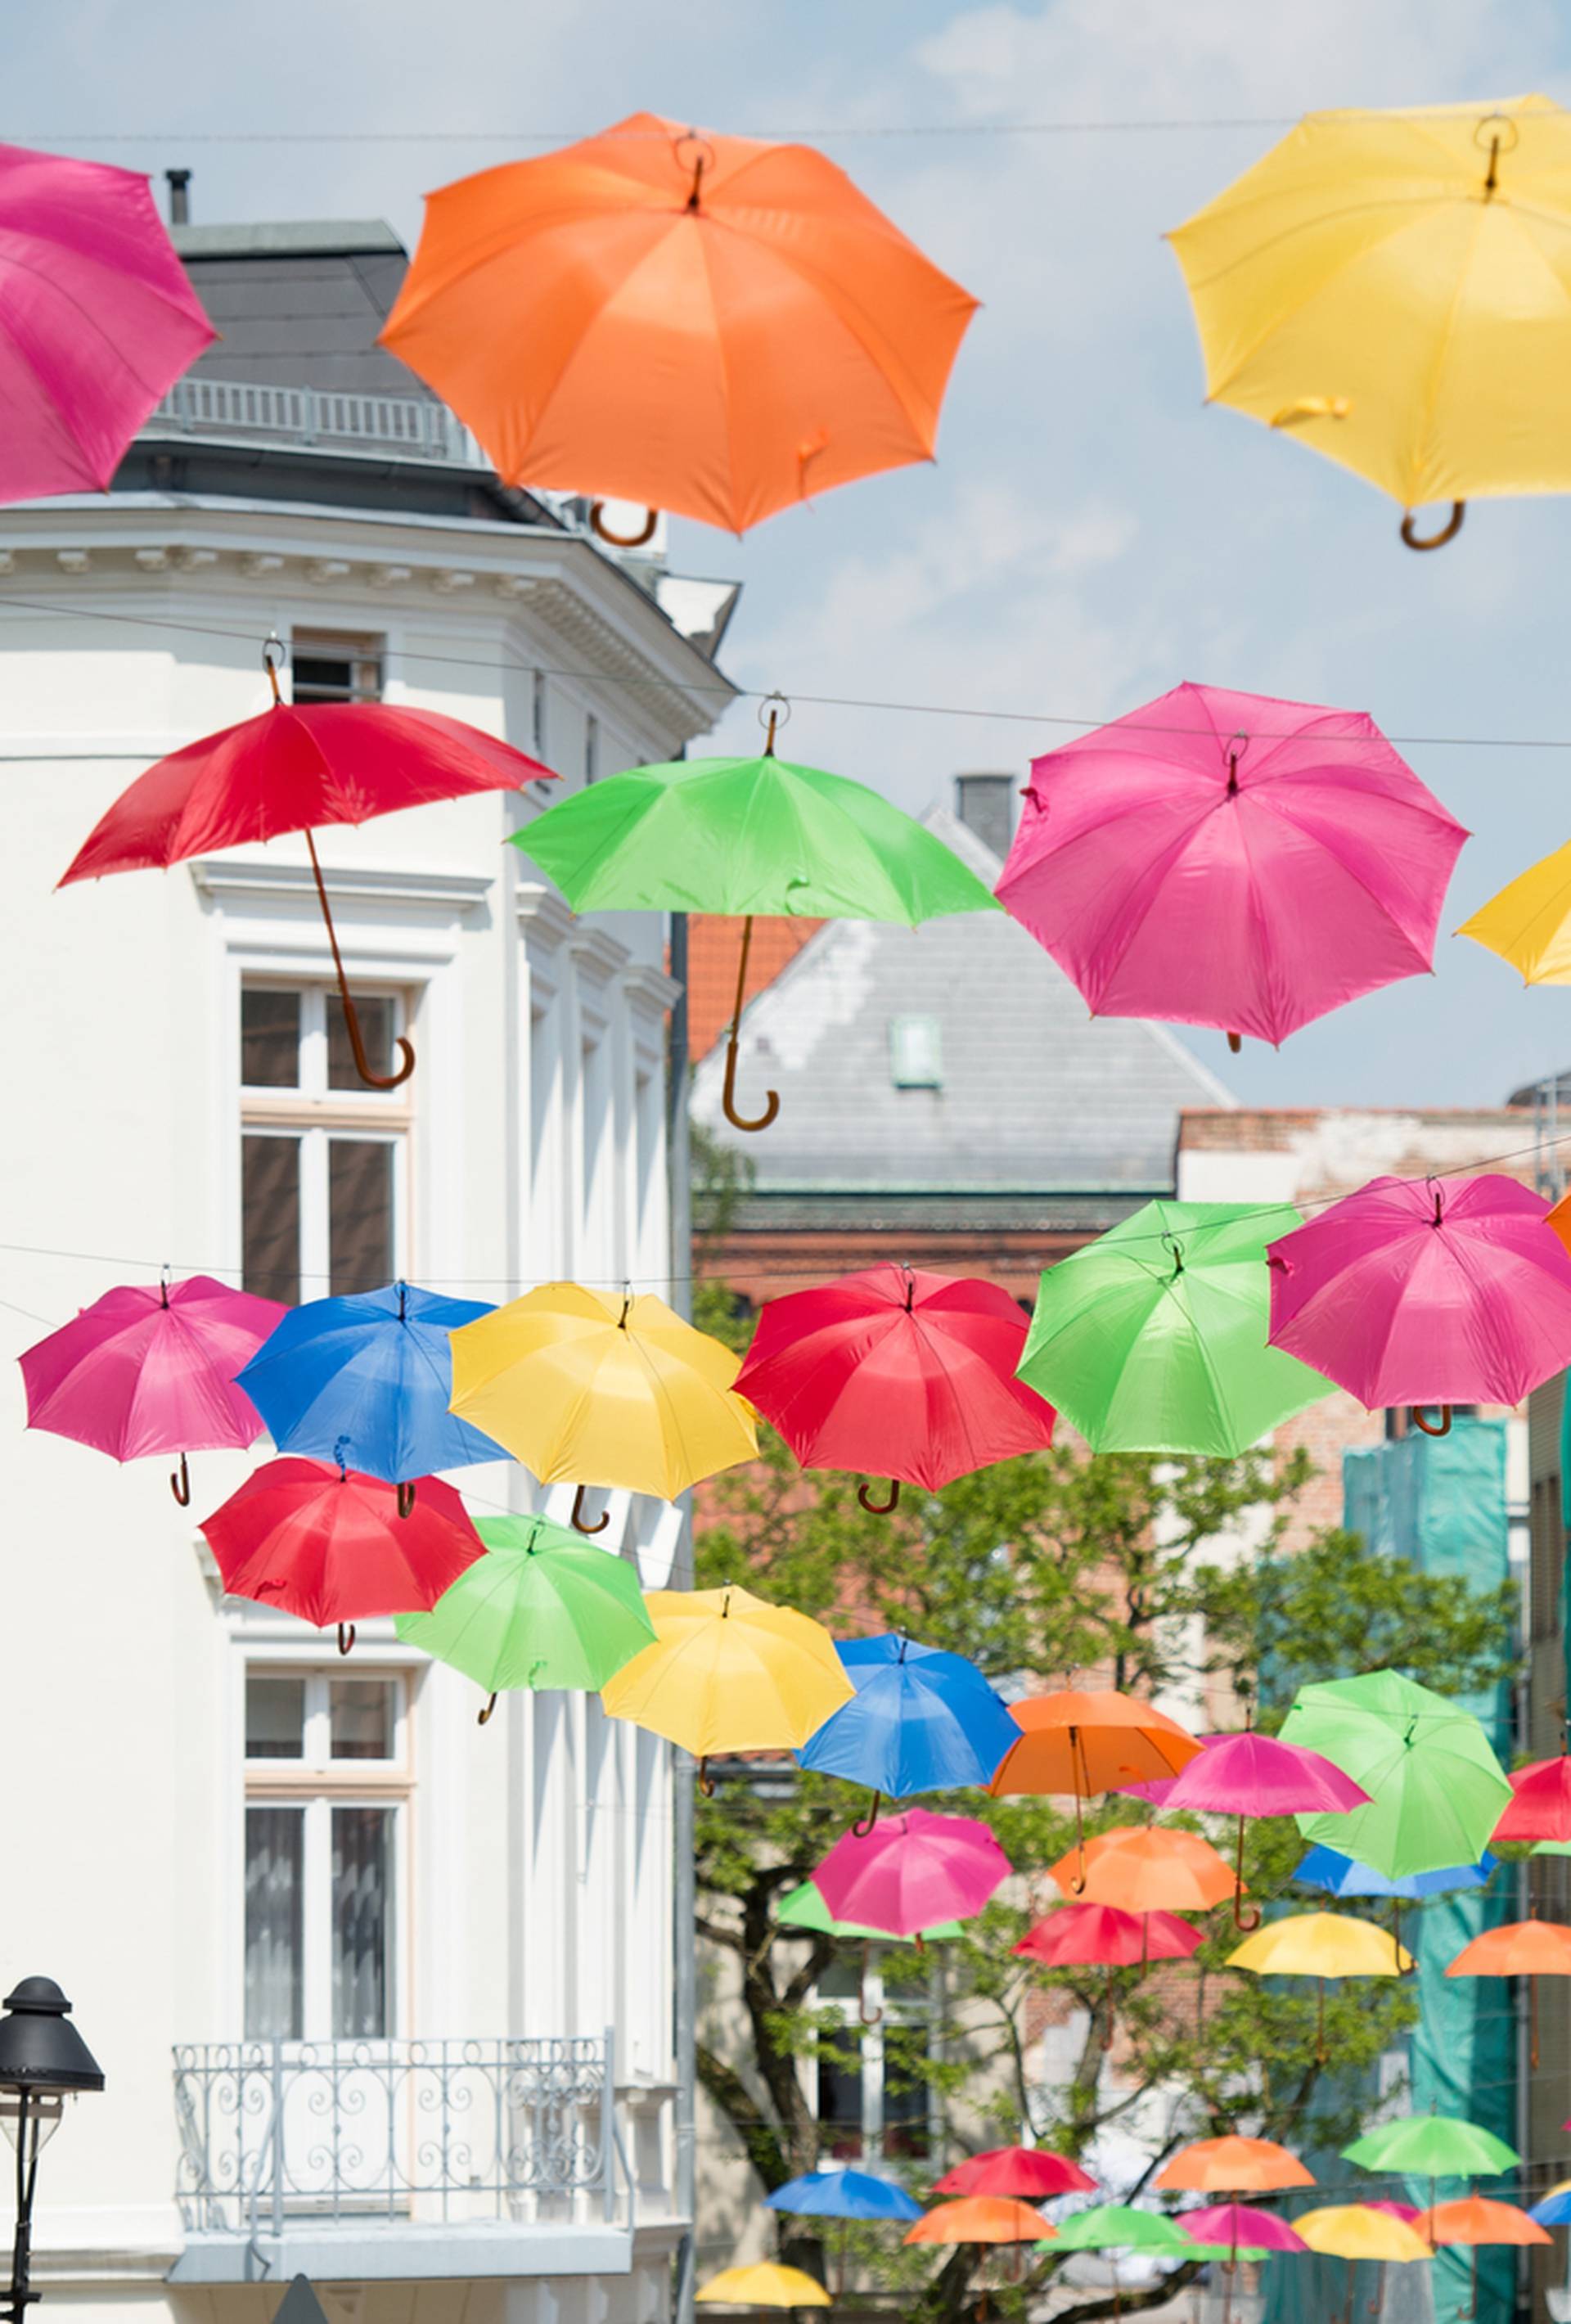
<point>1357,2231</point>
<point>1229,860</point>
<point>1409,2213</point>
<point>911,1870</point>
<point>150,1368</point>
<point>1151,1339</point>
<point>1080,1741</point>
<point>319,1542</point>
<point>745,837</point>
<point>1553,2209</point>
<point>1250,1775</point>
<point>716,326</point>
<point>1530,1949</point>
<point>1475,2221</point>
<point>843,2195</point>
<point>1540,1802</point>
<point>1427,1291</point>
<point>1528,925</point>
<point>1147,1868</point>
<point>766,2285</point>
<point>369,1378</point>
<point>727,1672</point>
<point>1248,2166</point>
<point>1078,1936</point>
<point>97,320</point>
<point>1155,1792</point>
<point>1117,2227</point>
<point>897,1370</point>
<point>1378,286</point>
<point>1030,2174</point>
<point>1239,2228</point>
<point>1436,1787</point>
<point>1344,1875</point>
<point>1431,2147</point>
<point>603,1391</point>
<point>541,1609</point>
<point>1321,1945</point>
<point>805,1908</point>
<point>920,1720</point>
<point>981,2219</point>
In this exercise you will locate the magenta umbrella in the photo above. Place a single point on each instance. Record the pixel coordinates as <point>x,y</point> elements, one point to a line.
<point>97,320</point>
<point>1237,2224</point>
<point>1423,1291</point>
<point>1156,1789</point>
<point>150,1368</point>
<point>911,1872</point>
<point>1230,860</point>
<point>1251,1775</point>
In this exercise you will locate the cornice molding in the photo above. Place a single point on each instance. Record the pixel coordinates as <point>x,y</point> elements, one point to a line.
<point>544,914</point>
<point>604,956</point>
<point>449,893</point>
<point>644,981</point>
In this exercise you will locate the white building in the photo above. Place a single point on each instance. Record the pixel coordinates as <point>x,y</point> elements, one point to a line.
<point>379,1993</point>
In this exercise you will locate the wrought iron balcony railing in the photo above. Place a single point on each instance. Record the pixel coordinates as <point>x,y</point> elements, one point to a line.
<point>394,427</point>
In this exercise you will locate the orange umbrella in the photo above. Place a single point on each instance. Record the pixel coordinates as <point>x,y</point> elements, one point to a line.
<point>981,2219</point>
<point>1475,2220</point>
<point>1082,1741</point>
<point>1527,1948</point>
<point>712,325</point>
<point>1248,2166</point>
<point>1147,1868</point>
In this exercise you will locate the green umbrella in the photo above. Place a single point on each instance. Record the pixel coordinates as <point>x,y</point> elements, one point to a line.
<point>1153,1339</point>
<point>541,1609</point>
<point>1432,2146</point>
<point>805,1908</point>
<point>746,836</point>
<point>1119,2226</point>
<point>1436,1789</point>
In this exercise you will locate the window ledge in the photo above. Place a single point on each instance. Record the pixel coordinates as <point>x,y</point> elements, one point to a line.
<point>253,881</point>
<point>395,2252</point>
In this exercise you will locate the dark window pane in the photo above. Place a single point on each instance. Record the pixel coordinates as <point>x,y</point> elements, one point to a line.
<point>905,2097</point>
<point>360,1718</point>
<point>375,1013</point>
<point>361,1921</point>
<point>275,1898</point>
<point>359,1172</point>
<point>275,1718</point>
<point>269,1201</point>
<point>270,1039</point>
<point>839,2097</point>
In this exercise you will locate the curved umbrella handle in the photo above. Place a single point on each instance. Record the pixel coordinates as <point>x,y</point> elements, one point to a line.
<point>1246,1922</point>
<point>1235,1043</point>
<point>346,1636</point>
<point>705,1780</point>
<point>484,1717</point>
<point>407,1499</point>
<point>728,1094</point>
<point>860,1831</point>
<point>1448,530</point>
<point>362,1065</point>
<point>602,531</point>
<point>580,1522</point>
<point>180,1484</point>
<point>1416,1415</point>
<point>879,1508</point>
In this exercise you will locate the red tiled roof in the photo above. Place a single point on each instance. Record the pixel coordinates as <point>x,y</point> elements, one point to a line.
<point>714,942</point>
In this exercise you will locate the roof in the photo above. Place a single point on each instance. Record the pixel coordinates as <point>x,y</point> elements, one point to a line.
<point>1033,1093</point>
<point>714,948</point>
<point>299,303</point>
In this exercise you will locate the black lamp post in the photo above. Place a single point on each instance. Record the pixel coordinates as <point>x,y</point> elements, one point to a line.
<point>43,2059</point>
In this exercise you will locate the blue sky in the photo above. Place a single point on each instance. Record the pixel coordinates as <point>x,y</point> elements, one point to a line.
<point>1090,534</point>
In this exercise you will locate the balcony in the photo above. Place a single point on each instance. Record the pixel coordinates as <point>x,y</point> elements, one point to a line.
<point>382,427</point>
<point>398,2160</point>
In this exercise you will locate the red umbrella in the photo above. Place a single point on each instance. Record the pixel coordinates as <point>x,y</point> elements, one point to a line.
<point>1104,1936</point>
<point>1540,1806</point>
<point>327,1544</point>
<point>905,1373</point>
<point>327,762</point>
<point>1030,2174</point>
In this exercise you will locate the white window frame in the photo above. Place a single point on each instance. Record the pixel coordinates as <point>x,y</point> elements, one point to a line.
<point>866,2014</point>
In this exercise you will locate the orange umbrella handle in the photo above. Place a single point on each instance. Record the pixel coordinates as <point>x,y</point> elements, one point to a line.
<point>580,1522</point>
<point>1416,1413</point>
<point>180,1484</point>
<point>877,1508</point>
<point>351,1017</point>
<point>602,531</point>
<point>1449,531</point>
<point>728,1093</point>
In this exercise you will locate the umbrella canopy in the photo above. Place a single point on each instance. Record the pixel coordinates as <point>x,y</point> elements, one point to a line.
<point>1554,2210</point>
<point>1436,1787</point>
<point>1082,1741</point>
<point>805,1908</point>
<point>323,1543</point>
<point>1540,1801</point>
<point>1427,1291</point>
<point>1230,860</point>
<point>717,326</point>
<point>982,2219</point>
<point>767,2285</point>
<point>1251,1775</point>
<point>1155,1792</point>
<point>1530,1949</point>
<point>1344,1875</point>
<point>600,1389</point>
<point>898,1371</point>
<point>912,1870</point>
<point>1078,1935</point>
<point>920,1720</point>
<point>727,1672</point>
<point>1409,2213</point>
<point>1029,2174</point>
<point>150,1368</point>
<point>1214,2166</point>
<point>1377,286</point>
<point>541,1609</point>
<point>1151,1339</point>
<point>1478,2220</point>
<point>1232,2226</point>
<point>1432,2146</point>
<point>1147,1868</point>
<point>368,1379</point>
<point>843,2195</point>
<point>1119,2226</point>
<point>1528,925</point>
<point>97,320</point>
<point>1321,1944</point>
<point>1359,2231</point>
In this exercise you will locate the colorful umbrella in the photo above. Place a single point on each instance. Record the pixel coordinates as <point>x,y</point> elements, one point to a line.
<point>602,1390</point>
<point>1528,925</point>
<point>1530,1949</point>
<point>1151,1339</point>
<point>1229,860</point>
<point>1431,2147</point>
<point>920,1720</point>
<point>712,325</point>
<point>1233,2227</point>
<point>727,1672</point>
<point>1321,1945</point>
<point>1147,1868</point>
<point>1476,2220</point>
<point>292,770</point>
<point>1119,2226</point>
<point>1344,1875</point>
<point>805,1908</point>
<point>981,2219</point>
<point>1554,2210</point>
<point>540,1609</point>
<point>1378,286</point>
<point>1154,1794</point>
<point>912,1870</point>
<point>1357,2231</point>
<point>368,1379</point>
<point>1080,1741</point>
<point>97,320</point>
<point>1423,1291</point>
<point>1540,1803</point>
<point>1249,1775</point>
<point>1248,2166</point>
<point>1029,2174</point>
<point>843,2195</point>
<point>745,837</point>
<point>151,1368</point>
<point>1436,1787</point>
<point>1103,1936</point>
<point>766,2285</point>
<point>318,1541</point>
<point>905,1373</point>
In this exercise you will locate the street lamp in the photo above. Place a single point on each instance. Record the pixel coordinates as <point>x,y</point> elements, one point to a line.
<point>43,2059</point>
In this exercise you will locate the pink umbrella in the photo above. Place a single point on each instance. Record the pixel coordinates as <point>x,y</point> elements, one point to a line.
<point>150,1368</point>
<point>1159,1786</point>
<point>96,320</point>
<point>1230,860</point>
<point>1423,1291</point>
<point>1251,1775</point>
<point>1540,1806</point>
<point>912,1871</point>
<point>1242,2225</point>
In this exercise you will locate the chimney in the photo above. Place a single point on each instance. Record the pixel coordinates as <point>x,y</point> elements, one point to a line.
<point>179,182</point>
<point>984,804</point>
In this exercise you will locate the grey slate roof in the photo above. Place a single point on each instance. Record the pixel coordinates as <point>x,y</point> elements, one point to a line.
<point>1036,1095</point>
<point>298,304</point>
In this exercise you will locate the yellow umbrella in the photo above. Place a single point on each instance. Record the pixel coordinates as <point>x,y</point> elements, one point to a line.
<point>727,1672</point>
<point>604,1390</point>
<point>768,2285</point>
<point>1529,923</point>
<point>1353,2231</point>
<point>1391,287</point>
<point>1319,1945</point>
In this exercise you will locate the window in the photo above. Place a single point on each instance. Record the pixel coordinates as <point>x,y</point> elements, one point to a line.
<point>915,1053</point>
<point>335,666</point>
<point>326,1801</point>
<point>874,2100</point>
<point>323,1161</point>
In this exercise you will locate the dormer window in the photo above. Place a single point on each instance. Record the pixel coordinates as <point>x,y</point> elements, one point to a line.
<point>915,1053</point>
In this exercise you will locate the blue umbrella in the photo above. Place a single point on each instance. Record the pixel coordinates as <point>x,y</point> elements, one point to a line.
<point>843,2195</point>
<point>1553,2211</point>
<point>920,1720</point>
<point>367,1381</point>
<point>1344,1875</point>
